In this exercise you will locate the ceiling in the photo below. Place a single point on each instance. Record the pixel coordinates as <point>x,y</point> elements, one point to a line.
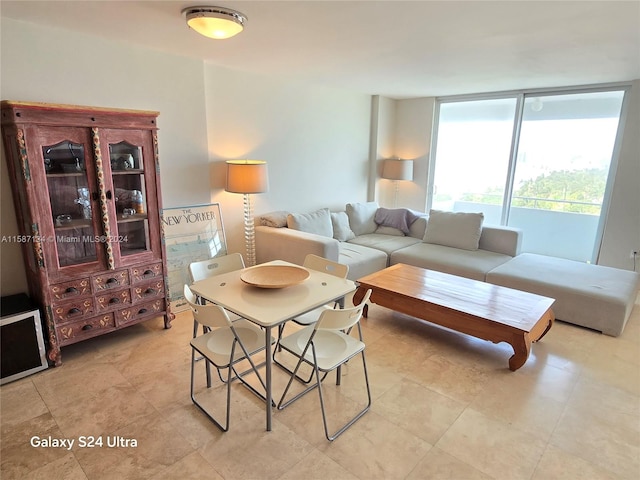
<point>399,49</point>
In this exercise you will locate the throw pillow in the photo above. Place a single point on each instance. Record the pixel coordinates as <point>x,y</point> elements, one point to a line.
<point>318,222</point>
<point>454,229</point>
<point>399,218</point>
<point>361,217</point>
<point>274,219</point>
<point>341,230</point>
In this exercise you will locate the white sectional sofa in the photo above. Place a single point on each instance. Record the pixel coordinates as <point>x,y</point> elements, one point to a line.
<point>369,238</point>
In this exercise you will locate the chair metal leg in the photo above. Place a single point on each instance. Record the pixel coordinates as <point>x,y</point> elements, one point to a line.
<point>318,385</point>
<point>287,369</point>
<point>228,382</point>
<point>208,367</point>
<point>225,427</point>
<point>342,429</point>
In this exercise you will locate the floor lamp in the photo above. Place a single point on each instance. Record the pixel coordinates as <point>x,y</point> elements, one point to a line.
<point>247,177</point>
<point>396,169</point>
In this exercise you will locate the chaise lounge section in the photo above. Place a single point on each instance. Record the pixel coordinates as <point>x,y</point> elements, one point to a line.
<point>592,296</point>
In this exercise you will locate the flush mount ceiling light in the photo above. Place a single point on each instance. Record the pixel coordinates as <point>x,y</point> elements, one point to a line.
<point>214,22</point>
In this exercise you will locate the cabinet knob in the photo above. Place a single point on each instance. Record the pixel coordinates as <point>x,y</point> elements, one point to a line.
<point>71,290</point>
<point>114,300</point>
<point>112,282</point>
<point>87,327</point>
<point>109,194</point>
<point>148,273</point>
<point>74,311</point>
<point>142,311</point>
<point>149,291</point>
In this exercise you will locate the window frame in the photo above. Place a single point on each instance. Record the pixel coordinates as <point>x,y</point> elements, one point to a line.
<point>520,96</point>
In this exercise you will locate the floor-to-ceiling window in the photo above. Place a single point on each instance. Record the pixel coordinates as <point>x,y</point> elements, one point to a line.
<point>539,161</point>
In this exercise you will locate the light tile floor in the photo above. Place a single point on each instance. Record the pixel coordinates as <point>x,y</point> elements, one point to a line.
<point>445,407</point>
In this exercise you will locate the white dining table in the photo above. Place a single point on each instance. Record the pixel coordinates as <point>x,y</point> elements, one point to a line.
<point>271,307</point>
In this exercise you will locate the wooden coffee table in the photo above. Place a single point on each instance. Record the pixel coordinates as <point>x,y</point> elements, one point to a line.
<point>480,309</point>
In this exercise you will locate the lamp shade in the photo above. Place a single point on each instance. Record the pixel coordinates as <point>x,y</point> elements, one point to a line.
<point>247,176</point>
<point>397,169</point>
<point>214,22</point>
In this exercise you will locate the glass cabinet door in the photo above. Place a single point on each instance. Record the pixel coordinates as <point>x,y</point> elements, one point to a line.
<point>70,199</point>
<point>128,180</point>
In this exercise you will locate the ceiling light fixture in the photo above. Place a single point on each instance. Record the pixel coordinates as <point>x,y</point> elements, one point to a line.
<point>214,22</point>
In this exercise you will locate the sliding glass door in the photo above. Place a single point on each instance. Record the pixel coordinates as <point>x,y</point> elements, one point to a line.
<point>539,162</point>
<point>473,151</point>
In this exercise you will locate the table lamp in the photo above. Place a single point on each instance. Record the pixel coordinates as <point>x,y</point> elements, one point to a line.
<point>247,177</point>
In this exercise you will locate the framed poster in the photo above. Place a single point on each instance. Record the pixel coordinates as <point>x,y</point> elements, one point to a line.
<point>191,234</point>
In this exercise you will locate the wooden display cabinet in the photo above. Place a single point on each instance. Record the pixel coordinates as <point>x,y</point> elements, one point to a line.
<point>86,188</point>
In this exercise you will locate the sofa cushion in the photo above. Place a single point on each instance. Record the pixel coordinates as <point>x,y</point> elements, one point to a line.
<point>419,227</point>
<point>399,218</point>
<point>318,222</point>
<point>341,230</point>
<point>361,260</point>
<point>382,230</point>
<point>474,264</point>
<point>361,217</point>
<point>454,229</point>
<point>386,243</point>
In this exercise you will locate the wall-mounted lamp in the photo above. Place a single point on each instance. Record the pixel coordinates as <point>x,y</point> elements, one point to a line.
<point>396,169</point>
<point>247,177</point>
<point>214,22</point>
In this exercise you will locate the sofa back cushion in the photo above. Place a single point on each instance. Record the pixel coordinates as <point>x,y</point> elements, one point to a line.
<point>454,229</point>
<point>318,222</point>
<point>419,227</point>
<point>361,217</point>
<point>341,230</point>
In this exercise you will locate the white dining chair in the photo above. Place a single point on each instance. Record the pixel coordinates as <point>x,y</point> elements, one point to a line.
<point>326,347</point>
<point>320,264</point>
<point>224,345</point>
<point>209,268</point>
<point>215,266</point>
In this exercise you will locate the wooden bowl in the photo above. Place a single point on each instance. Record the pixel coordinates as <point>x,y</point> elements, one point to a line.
<point>274,276</point>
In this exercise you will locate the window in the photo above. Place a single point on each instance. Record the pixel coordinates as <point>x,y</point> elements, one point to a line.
<point>536,161</point>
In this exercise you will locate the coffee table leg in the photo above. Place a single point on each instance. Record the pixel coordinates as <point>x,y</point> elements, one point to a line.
<point>357,298</point>
<point>522,345</point>
<point>522,349</point>
<point>543,326</point>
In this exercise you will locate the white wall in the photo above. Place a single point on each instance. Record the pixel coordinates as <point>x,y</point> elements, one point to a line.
<point>413,141</point>
<point>383,146</point>
<point>49,65</point>
<point>315,141</point>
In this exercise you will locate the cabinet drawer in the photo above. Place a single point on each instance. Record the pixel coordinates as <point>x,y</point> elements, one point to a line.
<point>76,331</point>
<point>73,310</point>
<point>147,291</point>
<point>111,300</point>
<point>146,273</point>
<point>110,280</point>
<point>139,311</point>
<point>72,289</point>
